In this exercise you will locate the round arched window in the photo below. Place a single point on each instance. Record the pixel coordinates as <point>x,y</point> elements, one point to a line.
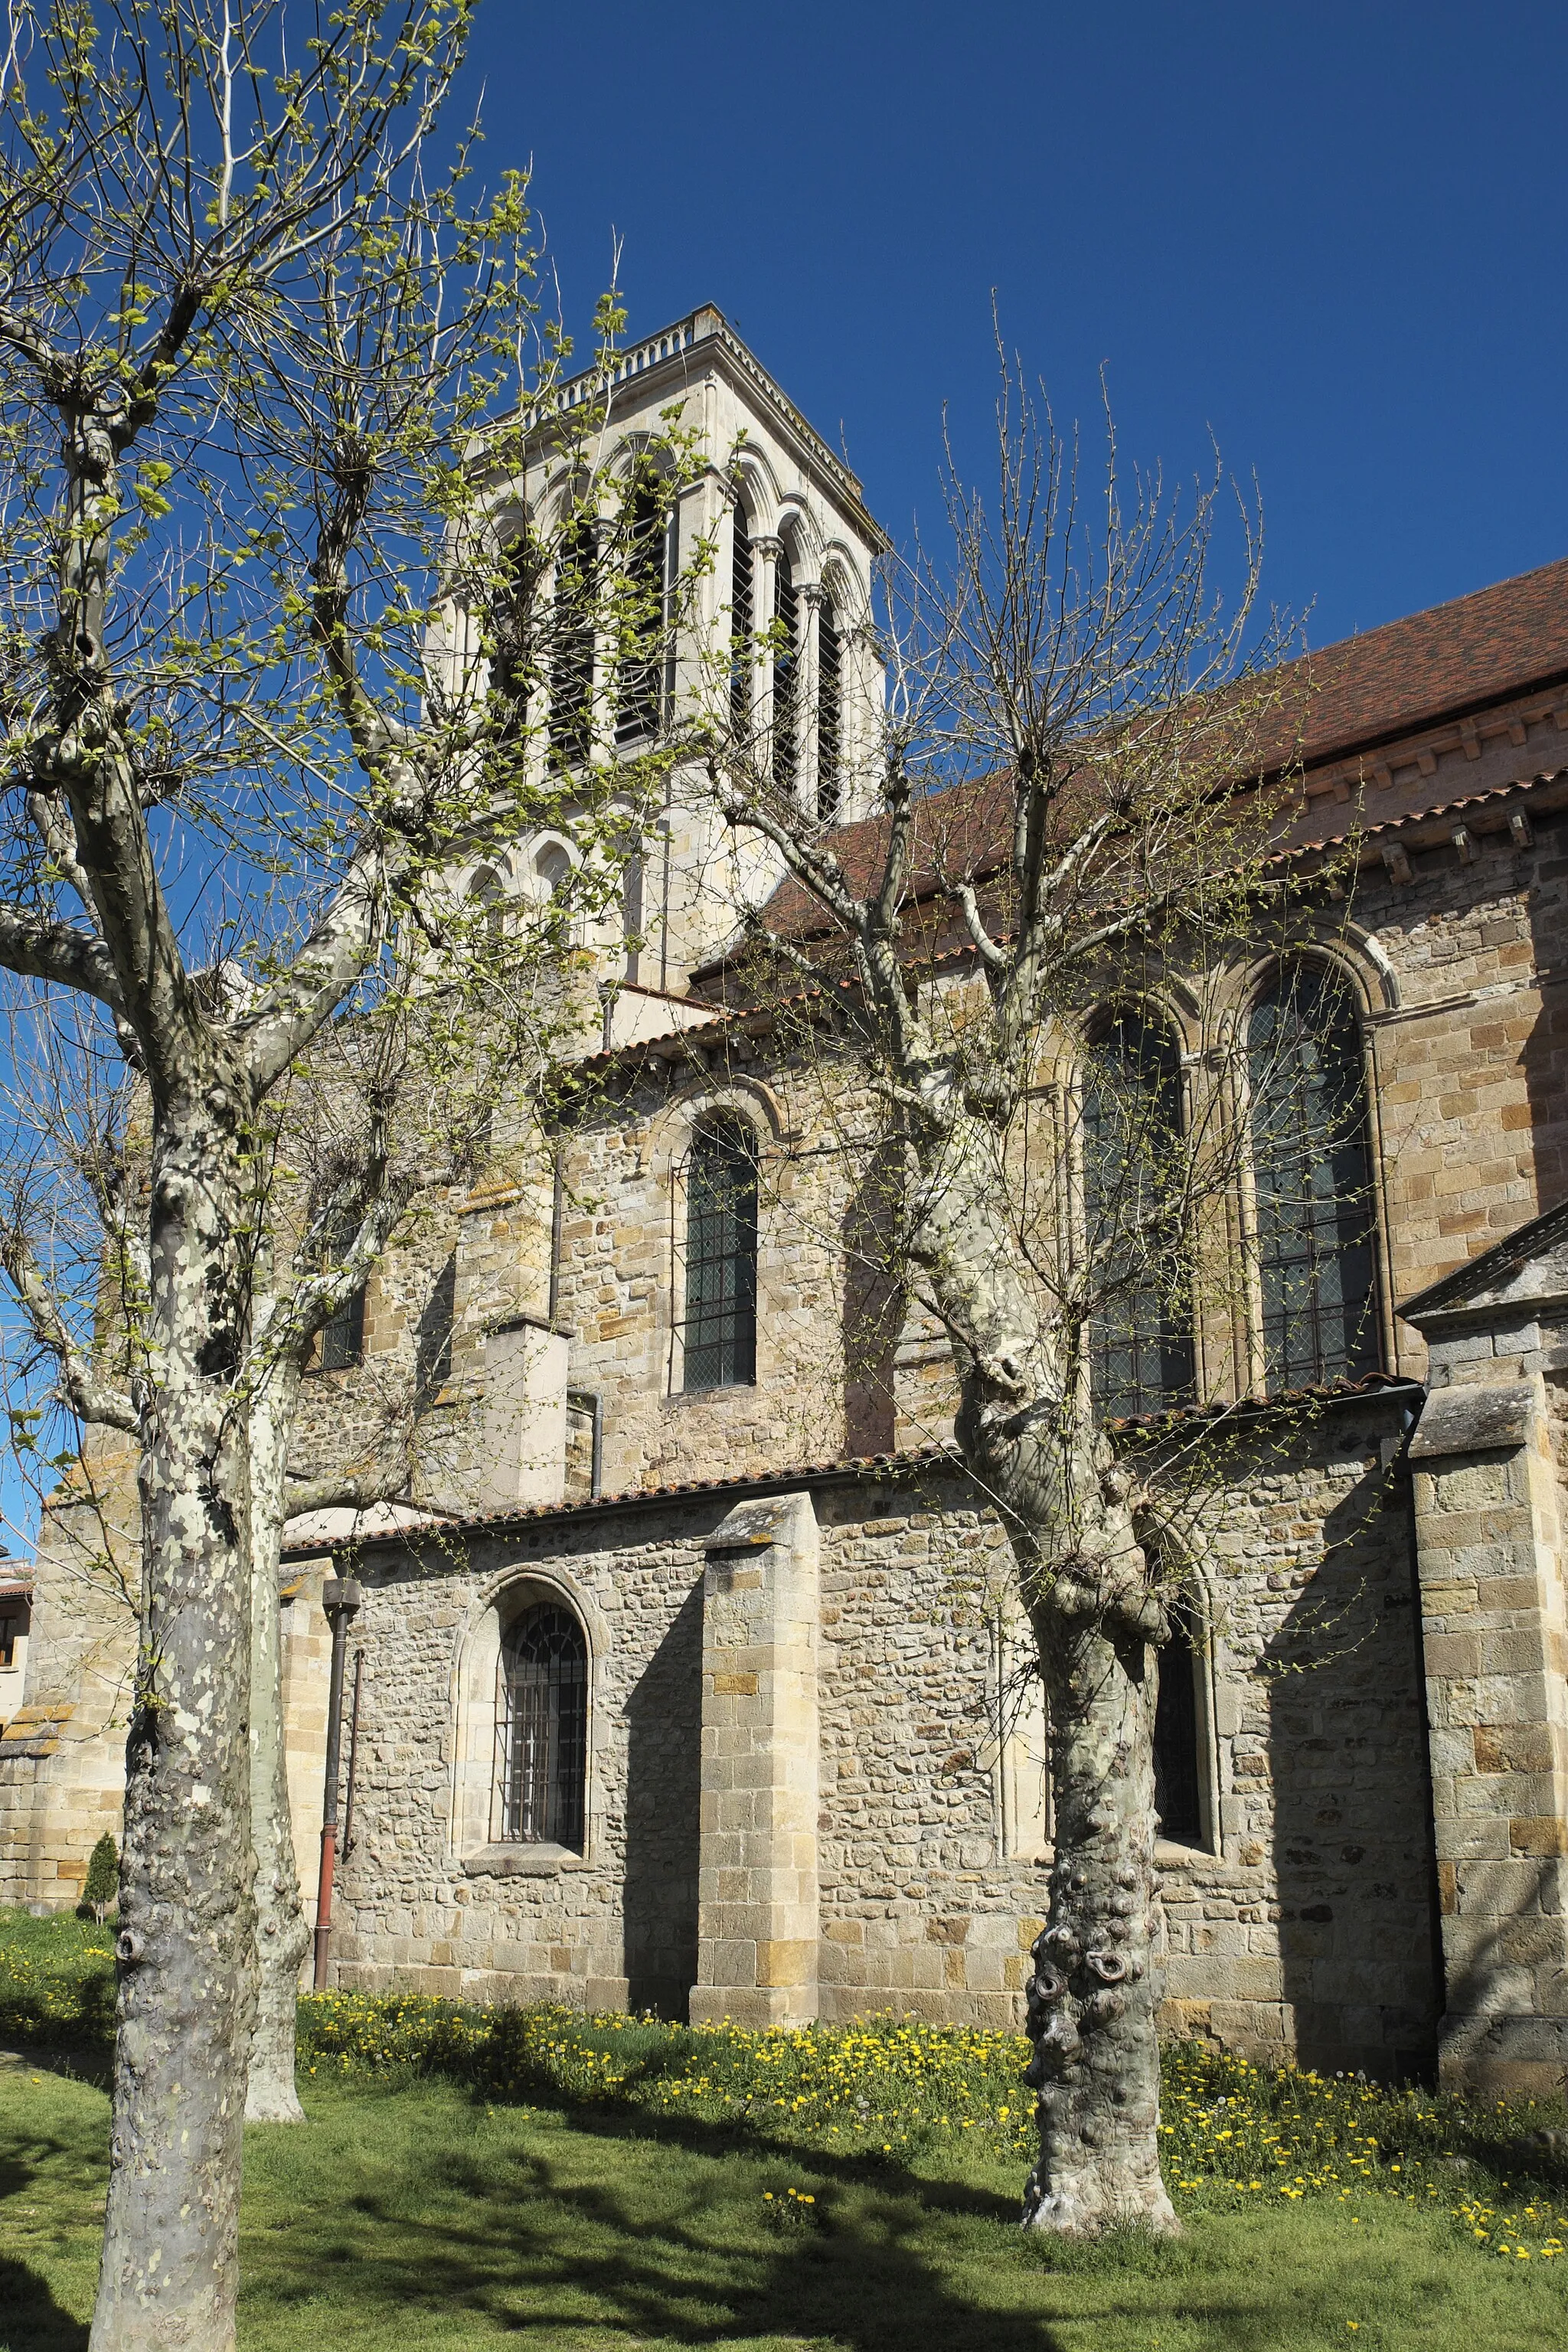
<point>542,1725</point>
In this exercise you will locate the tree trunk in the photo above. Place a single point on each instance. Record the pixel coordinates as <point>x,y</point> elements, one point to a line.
<point>171,2231</point>
<point>282,1937</point>
<point>1026,1428</point>
<point>1093,1995</point>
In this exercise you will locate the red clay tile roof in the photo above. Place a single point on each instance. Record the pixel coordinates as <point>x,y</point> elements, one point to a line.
<point>1363,692</point>
<point>1437,663</point>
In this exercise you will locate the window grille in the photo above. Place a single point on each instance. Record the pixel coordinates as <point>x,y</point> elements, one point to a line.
<point>514,660</point>
<point>571,645</point>
<point>786,677</point>
<point>342,1342</point>
<point>1313,1182</point>
<point>543,1728</point>
<point>741,621</point>
<point>829,711</point>
<point>1178,1778</point>
<point>722,1260</point>
<point>1140,1338</point>
<point>639,710</point>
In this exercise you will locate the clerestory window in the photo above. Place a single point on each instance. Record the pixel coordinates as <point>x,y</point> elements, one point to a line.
<point>1139,1328</point>
<point>1312,1170</point>
<point>541,1722</point>
<point>720,1330</point>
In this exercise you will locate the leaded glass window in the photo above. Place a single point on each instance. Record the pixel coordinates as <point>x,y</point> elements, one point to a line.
<point>543,1723</point>
<point>721,1338</point>
<point>1311,1172</point>
<point>1139,1327</point>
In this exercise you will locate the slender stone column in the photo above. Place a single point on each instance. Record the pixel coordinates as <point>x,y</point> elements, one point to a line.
<point>1489,1546</point>
<point>757,1884</point>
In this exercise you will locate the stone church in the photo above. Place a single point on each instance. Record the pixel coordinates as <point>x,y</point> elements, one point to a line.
<point>691,1682</point>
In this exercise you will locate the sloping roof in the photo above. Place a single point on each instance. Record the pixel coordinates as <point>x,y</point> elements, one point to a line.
<point>1357,694</point>
<point>1435,664</point>
<point>1491,1270</point>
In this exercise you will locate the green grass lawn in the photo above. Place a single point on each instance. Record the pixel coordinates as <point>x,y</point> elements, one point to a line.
<point>604,2183</point>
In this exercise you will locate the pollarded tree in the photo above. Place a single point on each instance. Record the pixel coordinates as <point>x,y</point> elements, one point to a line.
<point>1071,809</point>
<point>271,668</point>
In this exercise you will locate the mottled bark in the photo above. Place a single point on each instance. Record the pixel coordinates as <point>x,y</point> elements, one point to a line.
<point>1025,1427</point>
<point>171,2230</point>
<point>283,1936</point>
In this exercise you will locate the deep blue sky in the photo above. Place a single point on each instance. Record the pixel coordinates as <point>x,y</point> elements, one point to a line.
<point>1335,234</point>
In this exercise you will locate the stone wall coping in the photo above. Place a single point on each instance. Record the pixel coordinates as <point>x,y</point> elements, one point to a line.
<point>1474,1420</point>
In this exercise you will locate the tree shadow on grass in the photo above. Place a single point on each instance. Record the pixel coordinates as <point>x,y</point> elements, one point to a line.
<point>30,2318</point>
<point>606,2229</point>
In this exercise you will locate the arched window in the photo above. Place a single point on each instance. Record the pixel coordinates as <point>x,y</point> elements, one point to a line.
<point>721,1338</point>
<point>541,1722</point>
<point>1178,1721</point>
<point>572,642</point>
<point>1313,1181</point>
<point>485,891</point>
<point>742,623</point>
<point>786,676</point>
<point>1140,1326</point>
<point>553,868</point>
<point>829,711</point>
<point>638,709</point>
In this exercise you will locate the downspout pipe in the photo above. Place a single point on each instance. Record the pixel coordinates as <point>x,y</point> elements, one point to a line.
<point>342,1599</point>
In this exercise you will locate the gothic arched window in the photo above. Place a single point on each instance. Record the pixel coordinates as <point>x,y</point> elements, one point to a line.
<point>786,676</point>
<point>572,642</point>
<point>741,621</point>
<point>541,1724</point>
<point>1139,1327</point>
<point>1311,1169</point>
<point>1178,1720</point>
<point>829,711</point>
<point>721,1336</point>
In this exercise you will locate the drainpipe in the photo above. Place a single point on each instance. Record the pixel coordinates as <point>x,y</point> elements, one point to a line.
<point>340,1598</point>
<point>348,1845</point>
<point>590,1400</point>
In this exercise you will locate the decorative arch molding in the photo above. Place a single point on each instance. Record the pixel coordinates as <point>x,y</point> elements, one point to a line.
<point>797,527</point>
<point>673,1126</point>
<point>472,1711</point>
<point>754,482</point>
<point>1356,954</point>
<point>842,581</point>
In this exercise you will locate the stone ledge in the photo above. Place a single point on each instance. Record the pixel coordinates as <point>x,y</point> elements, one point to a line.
<point>522,1861</point>
<point>1474,1420</point>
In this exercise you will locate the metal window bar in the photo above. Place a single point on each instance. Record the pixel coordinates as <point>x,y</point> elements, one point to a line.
<point>639,709</point>
<point>829,712</point>
<point>571,650</point>
<point>721,1332</point>
<point>742,656</point>
<point>543,1725</point>
<point>786,677</point>
<point>1313,1183</point>
<point>342,1342</point>
<point>1141,1350</point>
